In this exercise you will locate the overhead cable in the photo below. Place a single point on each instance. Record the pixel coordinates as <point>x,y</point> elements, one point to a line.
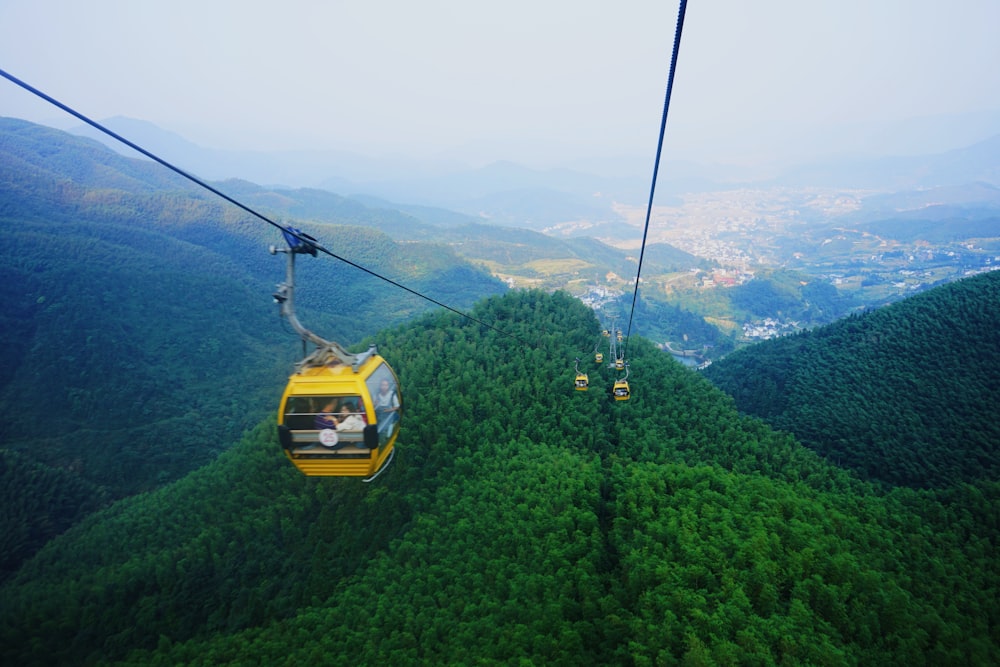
<point>656,165</point>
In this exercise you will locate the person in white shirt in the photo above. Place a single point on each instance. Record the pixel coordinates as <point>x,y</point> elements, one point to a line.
<point>386,406</point>
<point>349,421</point>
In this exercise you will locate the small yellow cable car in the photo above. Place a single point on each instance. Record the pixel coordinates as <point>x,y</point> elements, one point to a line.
<point>340,413</point>
<point>621,390</point>
<point>599,357</point>
<point>582,381</point>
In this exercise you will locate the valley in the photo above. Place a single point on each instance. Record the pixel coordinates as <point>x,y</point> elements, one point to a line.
<point>834,237</point>
<point>821,232</point>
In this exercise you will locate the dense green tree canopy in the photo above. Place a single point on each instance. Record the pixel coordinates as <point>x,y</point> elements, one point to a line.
<point>524,521</point>
<point>904,395</point>
<point>138,338</point>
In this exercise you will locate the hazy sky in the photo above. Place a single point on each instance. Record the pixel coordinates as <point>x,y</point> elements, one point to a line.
<point>538,81</point>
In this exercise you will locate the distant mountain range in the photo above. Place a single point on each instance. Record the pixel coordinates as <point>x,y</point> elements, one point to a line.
<point>979,162</point>
<point>503,193</point>
<point>511,194</point>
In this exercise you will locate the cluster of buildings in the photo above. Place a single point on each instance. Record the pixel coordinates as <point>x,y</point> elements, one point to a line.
<point>599,295</point>
<point>768,328</point>
<point>725,277</point>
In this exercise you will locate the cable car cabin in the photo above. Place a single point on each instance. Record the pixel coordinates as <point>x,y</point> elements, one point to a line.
<point>619,336</point>
<point>619,364</point>
<point>599,357</point>
<point>605,333</point>
<point>620,390</point>
<point>582,381</point>
<point>334,421</point>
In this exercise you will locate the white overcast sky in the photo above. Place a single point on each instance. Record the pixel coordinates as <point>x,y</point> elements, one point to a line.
<point>538,81</point>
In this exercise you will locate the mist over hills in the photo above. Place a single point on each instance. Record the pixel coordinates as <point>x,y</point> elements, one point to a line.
<point>937,215</point>
<point>496,190</point>
<point>511,195</point>
<point>972,194</point>
<point>968,164</point>
<point>586,189</point>
<point>33,152</point>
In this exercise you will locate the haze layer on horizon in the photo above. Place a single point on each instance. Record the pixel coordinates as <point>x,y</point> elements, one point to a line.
<point>542,84</point>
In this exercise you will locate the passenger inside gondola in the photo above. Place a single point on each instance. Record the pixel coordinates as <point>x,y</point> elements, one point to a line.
<point>326,417</point>
<point>348,419</point>
<point>386,406</point>
<point>385,399</point>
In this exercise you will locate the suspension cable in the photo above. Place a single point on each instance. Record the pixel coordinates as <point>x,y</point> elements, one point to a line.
<point>656,164</point>
<point>305,239</point>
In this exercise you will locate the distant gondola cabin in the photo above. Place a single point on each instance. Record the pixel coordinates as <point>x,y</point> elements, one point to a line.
<point>336,421</point>
<point>599,357</point>
<point>621,390</point>
<point>582,381</point>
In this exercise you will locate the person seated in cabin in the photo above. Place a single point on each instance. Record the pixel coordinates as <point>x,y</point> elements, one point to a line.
<point>326,417</point>
<point>386,405</point>
<point>348,419</point>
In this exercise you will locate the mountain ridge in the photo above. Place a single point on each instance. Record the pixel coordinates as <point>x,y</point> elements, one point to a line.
<point>935,354</point>
<point>405,179</point>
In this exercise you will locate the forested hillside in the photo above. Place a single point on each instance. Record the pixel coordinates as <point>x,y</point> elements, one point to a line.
<point>138,336</point>
<point>524,522</point>
<point>905,395</point>
<point>39,502</point>
<point>135,305</point>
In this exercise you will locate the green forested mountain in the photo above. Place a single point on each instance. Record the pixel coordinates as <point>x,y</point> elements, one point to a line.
<point>39,503</point>
<point>524,522</point>
<point>527,256</point>
<point>41,164</point>
<point>138,338</point>
<point>904,395</point>
<point>544,261</point>
<point>135,305</point>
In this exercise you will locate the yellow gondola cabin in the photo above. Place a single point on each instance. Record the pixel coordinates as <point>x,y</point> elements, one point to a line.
<point>341,420</point>
<point>340,413</point>
<point>621,390</point>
